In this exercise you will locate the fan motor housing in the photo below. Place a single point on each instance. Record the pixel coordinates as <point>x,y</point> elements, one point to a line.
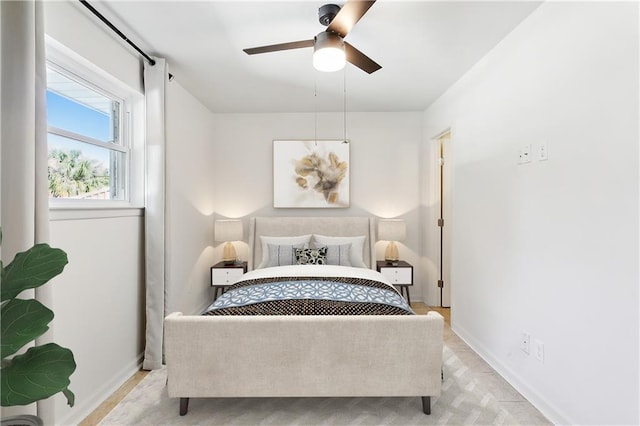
<point>327,12</point>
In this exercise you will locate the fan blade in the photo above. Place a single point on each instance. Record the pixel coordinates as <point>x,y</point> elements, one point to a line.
<point>281,46</point>
<point>360,60</point>
<point>350,13</point>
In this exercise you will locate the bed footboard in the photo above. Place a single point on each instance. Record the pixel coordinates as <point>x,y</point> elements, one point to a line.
<point>298,356</point>
<point>257,356</point>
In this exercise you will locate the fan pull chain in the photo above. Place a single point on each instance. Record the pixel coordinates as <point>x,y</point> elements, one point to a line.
<point>315,108</point>
<point>344,119</point>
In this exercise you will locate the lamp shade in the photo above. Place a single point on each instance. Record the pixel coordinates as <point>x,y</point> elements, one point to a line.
<point>392,230</point>
<point>328,52</point>
<point>228,230</point>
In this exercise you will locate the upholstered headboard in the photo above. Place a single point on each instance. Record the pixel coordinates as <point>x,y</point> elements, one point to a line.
<point>292,226</point>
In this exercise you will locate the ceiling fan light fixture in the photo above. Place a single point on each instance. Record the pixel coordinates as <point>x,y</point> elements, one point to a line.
<point>328,52</point>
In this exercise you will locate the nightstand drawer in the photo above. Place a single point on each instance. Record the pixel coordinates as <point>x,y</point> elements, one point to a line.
<point>225,276</point>
<point>397,275</point>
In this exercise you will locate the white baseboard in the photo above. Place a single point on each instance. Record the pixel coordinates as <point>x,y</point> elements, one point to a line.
<point>93,401</point>
<point>549,410</point>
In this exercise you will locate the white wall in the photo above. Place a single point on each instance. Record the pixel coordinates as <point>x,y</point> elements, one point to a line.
<point>190,180</point>
<point>384,168</point>
<point>99,307</point>
<point>552,247</point>
<point>98,300</point>
<point>73,25</point>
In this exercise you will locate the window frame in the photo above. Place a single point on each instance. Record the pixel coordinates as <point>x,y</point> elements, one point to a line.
<point>130,139</point>
<point>121,137</point>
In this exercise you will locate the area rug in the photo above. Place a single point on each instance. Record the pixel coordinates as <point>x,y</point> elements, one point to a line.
<point>463,401</point>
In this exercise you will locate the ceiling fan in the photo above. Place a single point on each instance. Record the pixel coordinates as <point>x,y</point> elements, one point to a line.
<point>329,48</point>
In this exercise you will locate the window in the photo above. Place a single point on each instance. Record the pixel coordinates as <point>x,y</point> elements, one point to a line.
<point>88,153</point>
<point>95,136</point>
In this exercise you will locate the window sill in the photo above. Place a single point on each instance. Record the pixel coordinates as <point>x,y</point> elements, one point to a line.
<point>77,212</point>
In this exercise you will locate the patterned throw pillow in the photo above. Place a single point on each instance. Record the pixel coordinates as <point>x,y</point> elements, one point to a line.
<point>307,256</point>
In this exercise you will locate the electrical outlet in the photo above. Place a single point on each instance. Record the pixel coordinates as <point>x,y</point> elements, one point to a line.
<point>539,350</point>
<point>525,339</point>
<point>524,155</point>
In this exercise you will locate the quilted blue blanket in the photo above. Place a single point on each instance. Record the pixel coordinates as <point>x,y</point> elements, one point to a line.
<point>310,296</point>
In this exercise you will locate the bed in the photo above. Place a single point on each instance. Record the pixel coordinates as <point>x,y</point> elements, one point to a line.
<point>292,355</point>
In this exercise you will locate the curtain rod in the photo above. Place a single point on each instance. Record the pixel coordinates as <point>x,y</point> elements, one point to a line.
<point>117,31</point>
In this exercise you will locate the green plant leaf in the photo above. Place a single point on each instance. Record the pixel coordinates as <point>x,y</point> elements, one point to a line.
<point>22,321</point>
<point>71,398</point>
<point>31,269</point>
<point>39,373</point>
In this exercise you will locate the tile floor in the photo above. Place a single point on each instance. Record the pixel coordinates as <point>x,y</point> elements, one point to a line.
<point>516,404</point>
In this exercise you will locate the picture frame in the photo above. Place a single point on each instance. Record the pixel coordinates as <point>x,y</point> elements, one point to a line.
<point>311,173</point>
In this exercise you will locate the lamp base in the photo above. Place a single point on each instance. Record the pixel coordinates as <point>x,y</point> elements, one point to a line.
<point>229,255</point>
<point>391,254</point>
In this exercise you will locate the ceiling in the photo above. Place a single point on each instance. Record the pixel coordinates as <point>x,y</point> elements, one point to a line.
<point>423,47</point>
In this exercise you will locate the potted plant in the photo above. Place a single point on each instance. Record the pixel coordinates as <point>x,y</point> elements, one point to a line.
<point>41,371</point>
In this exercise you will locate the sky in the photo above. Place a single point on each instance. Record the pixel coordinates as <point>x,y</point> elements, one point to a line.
<point>75,117</point>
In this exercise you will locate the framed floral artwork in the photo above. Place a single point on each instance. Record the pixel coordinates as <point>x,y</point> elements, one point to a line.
<point>311,173</point>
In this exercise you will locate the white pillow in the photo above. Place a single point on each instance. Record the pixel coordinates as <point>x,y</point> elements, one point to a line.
<point>300,239</point>
<point>357,245</point>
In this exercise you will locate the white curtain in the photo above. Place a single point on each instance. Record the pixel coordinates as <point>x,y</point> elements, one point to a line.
<point>23,123</point>
<point>155,81</point>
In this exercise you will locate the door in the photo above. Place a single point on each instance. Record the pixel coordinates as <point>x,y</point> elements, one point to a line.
<point>445,217</point>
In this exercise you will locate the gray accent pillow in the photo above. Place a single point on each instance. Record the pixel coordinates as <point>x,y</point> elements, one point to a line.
<point>339,254</point>
<point>307,256</point>
<point>265,240</point>
<point>357,246</point>
<point>280,255</point>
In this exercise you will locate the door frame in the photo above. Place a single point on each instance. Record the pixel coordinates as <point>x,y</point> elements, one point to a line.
<point>442,144</point>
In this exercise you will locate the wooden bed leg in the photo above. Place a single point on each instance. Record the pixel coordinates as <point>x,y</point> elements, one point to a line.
<point>184,406</point>
<point>426,404</point>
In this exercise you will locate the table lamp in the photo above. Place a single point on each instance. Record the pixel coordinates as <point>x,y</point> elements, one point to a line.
<point>228,231</point>
<point>392,230</point>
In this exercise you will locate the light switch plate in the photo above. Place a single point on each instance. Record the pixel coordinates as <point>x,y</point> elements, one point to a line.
<point>543,151</point>
<point>539,350</point>
<point>525,339</point>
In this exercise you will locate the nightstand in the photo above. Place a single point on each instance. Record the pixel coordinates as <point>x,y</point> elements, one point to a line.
<point>222,276</point>
<point>400,275</point>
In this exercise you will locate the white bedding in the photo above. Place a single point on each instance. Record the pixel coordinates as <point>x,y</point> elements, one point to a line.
<point>317,271</point>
